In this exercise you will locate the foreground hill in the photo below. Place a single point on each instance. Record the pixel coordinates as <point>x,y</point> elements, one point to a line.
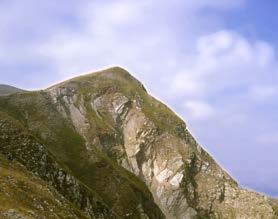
<point>24,195</point>
<point>104,146</point>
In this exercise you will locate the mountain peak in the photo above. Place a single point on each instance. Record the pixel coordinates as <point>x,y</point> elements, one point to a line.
<point>114,72</point>
<point>111,76</point>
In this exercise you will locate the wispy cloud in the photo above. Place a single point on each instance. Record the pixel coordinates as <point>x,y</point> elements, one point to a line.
<point>199,109</point>
<point>224,60</point>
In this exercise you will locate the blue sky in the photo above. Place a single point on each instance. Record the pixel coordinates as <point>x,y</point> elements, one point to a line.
<point>213,62</point>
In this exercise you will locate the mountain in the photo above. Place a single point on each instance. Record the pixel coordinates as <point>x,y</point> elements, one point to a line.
<point>7,89</point>
<point>99,146</point>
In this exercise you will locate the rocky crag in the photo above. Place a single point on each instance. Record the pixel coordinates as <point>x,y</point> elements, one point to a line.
<point>99,146</point>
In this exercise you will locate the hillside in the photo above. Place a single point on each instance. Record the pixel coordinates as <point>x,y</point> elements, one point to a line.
<point>7,89</point>
<point>23,194</point>
<point>103,145</point>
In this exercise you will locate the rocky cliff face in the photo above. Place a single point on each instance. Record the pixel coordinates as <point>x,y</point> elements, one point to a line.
<point>113,151</point>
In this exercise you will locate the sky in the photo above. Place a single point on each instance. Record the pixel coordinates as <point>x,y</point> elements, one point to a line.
<point>213,62</point>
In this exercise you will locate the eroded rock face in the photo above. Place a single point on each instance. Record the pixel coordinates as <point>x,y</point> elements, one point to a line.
<point>184,180</point>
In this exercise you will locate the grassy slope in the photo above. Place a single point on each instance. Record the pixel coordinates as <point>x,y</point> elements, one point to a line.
<point>274,204</point>
<point>120,189</point>
<point>7,89</point>
<point>17,143</point>
<point>25,194</point>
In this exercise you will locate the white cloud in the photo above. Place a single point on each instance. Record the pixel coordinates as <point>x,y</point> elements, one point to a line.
<point>224,60</point>
<point>199,110</point>
<point>263,92</point>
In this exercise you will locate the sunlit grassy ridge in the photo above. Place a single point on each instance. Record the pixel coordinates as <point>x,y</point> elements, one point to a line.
<point>117,79</point>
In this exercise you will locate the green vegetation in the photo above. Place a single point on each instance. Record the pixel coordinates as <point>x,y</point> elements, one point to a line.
<point>274,205</point>
<point>189,186</point>
<point>69,141</point>
<point>119,80</point>
<point>25,194</point>
<point>275,209</point>
<point>7,89</point>
<point>118,188</point>
<point>17,144</point>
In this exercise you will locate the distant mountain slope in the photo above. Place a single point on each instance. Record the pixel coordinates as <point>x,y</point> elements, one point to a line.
<point>7,89</point>
<point>113,151</point>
